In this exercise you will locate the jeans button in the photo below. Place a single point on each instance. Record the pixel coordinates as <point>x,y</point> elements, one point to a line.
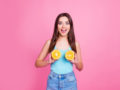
<point>59,76</point>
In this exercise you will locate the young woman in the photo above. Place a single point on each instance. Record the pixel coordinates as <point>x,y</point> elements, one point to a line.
<point>61,76</point>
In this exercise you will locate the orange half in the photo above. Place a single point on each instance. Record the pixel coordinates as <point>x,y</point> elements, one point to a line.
<point>56,54</point>
<point>69,55</point>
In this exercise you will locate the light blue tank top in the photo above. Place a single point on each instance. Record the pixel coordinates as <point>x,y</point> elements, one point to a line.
<point>62,65</point>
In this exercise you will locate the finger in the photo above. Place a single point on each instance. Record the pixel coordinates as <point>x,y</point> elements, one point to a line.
<point>75,56</point>
<point>50,55</point>
<point>52,61</point>
<point>72,61</point>
<point>50,58</point>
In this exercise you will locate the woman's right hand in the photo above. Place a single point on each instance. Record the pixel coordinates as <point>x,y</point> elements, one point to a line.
<point>51,60</point>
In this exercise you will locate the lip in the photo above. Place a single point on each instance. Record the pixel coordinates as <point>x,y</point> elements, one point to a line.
<point>63,30</point>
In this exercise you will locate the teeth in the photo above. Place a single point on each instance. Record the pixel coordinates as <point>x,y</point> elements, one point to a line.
<point>63,30</point>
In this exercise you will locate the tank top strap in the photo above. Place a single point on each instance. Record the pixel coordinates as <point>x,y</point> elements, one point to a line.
<point>69,48</point>
<point>55,47</point>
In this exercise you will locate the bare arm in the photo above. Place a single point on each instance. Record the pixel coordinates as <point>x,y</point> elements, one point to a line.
<point>79,65</point>
<point>40,62</point>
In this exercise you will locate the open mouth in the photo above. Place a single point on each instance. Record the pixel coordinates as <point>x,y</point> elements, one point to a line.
<point>63,30</point>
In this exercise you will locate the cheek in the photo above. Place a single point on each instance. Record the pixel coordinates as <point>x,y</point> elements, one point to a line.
<point>58,26</point>
<point>68,27</point>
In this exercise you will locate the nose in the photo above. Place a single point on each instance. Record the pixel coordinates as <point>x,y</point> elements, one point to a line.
<point>63,25</point>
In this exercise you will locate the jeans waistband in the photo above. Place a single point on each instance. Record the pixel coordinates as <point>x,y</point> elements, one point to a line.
<point>61,75</point>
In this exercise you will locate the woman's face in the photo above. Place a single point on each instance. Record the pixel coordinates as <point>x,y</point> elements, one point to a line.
<point>63,26</point>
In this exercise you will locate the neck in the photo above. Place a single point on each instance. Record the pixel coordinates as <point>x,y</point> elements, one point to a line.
<point>63,38</point>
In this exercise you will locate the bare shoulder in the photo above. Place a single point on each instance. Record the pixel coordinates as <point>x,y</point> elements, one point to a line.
<point>77,44</point>
<point>48,42</point>
<point>78,49</point>
<point>44,50</point>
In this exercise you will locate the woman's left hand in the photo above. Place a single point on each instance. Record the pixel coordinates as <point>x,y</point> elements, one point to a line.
<point>75,60</point>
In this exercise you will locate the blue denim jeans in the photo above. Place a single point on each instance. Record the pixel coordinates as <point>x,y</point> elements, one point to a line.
<point>61,81</point>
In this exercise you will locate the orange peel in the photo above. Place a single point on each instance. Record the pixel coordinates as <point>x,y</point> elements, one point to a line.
<point>56,54</point>
<point>69,55</point>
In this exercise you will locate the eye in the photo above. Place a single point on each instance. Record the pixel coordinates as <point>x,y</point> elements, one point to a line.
<point>59,22</point>
<point>67,23</point>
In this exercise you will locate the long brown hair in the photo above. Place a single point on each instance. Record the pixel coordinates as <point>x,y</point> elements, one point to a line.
<point>71,36</point>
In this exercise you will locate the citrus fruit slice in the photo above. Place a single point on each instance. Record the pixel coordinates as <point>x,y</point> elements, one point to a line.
<point>56,54</point>
<point>69,55</point>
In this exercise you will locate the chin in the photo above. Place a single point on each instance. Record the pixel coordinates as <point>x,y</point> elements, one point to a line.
<point>63,35</point>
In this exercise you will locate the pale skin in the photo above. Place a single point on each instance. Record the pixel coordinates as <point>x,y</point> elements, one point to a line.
<point>62,43</point>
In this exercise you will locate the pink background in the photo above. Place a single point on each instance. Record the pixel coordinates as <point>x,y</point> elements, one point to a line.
<point>25,25</point>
